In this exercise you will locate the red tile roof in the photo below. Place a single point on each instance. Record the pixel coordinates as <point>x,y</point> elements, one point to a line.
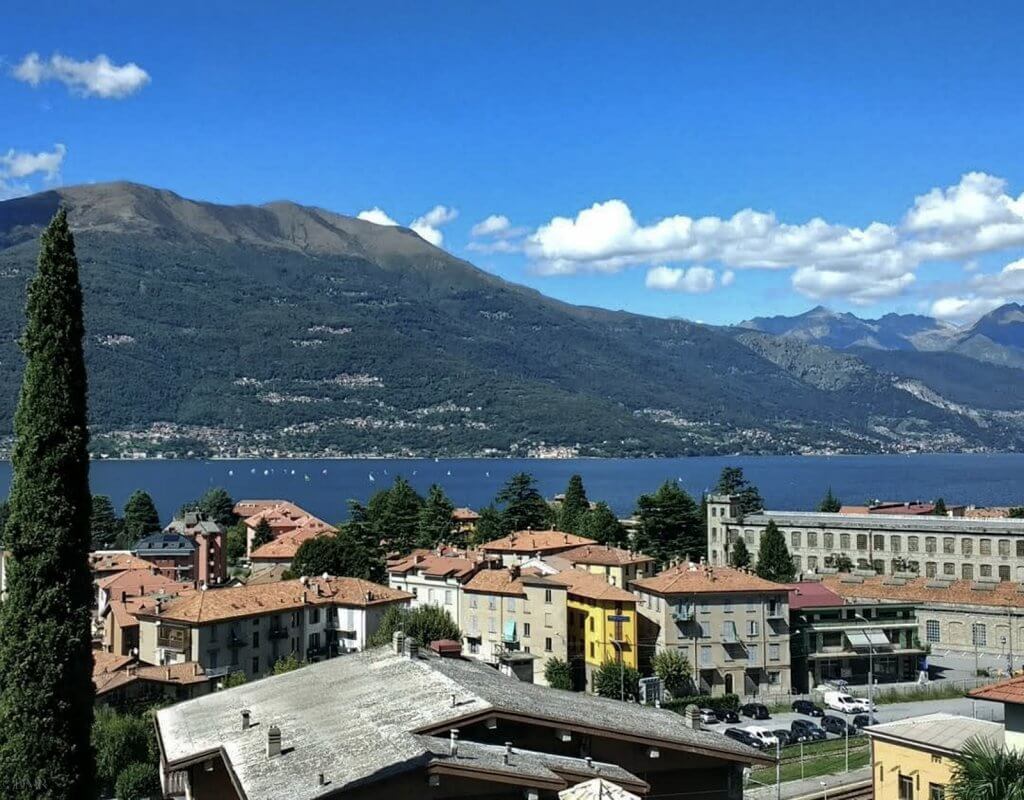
<point>437,566</point>
<point>103,562</point>
<point>111,672</point>
<point>587,586</point>
<point>604,555</point>
<point>286,545</point>
<point>530,542</point>
<point>699,579</point>
<point>139,582</point>
<point>496,581</point>
<point>812,594</point>
<point>465,515</point>
<point>917,590</point>
<point>1010,690</point>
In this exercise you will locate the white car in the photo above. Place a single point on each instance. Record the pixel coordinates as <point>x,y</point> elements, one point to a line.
<point>838,701</point>
<point>707,717</point>
<point>763,735</point>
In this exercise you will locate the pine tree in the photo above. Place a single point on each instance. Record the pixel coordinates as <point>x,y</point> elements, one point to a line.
<point>670,524</point>
<point>217,505</point>
<point>46,689</point>
<point>394,514</point>
<point>601,525</point>
<point>524,509</point>
<point>489,527</point>
<point>773,559</point>
<point>435,523</point>
<point>732,481</point>
<point>940,508</point>
<point>103,523</point>
<point>140,516</point>
<point>261,534</point>
<point>574,506</point>
<point>739,557</point>
<point>830,504</point>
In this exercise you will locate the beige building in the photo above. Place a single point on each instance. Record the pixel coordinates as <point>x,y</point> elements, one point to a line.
<point>514,620</point>
<point>247,629</point>
<point>522,545</point>
<point>733,626</point>
<point>934,547</point>
<point>617,566</point>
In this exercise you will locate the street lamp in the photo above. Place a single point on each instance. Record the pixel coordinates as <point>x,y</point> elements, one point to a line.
<point>824,790</point>
<point>871,671</point>
<point>620,618</point>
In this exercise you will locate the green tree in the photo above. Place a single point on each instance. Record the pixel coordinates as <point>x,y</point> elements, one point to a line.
<point>669,524</point>
<point>342,555</point>
<point>574,506</point>
<point>217,504</point>
<point>1016,512</point>
<point>489,527</point>
<point>830,504</point>
<point>5,511</point>
<point>138,782</point>
<point>359,530</point>
<point>558,673</point>
<point>523,507</point>
<point>435,522</point>
<point>236,542</point>
<point>140,516</point>
<point>426,623</point>
<point>732,481</point>
<point>46,689</point>
<point>674,670</point>
<point>987,771</point>
<point>773,560</point>
<point>940,508</point>
<point>121,740</point>
<point>394,514</point>
<point>288,663</point>
<point>601,525</point>
<point>233,679</point>
<point>617,681</point>
<point>739,556</point>
<point>104,526</point>
<point>262,533</point>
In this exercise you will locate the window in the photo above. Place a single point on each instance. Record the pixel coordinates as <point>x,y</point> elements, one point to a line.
<point>812,563</point>
<point>844,541</point>
<point>547,644</point>
<point>967,572</point>
<point>985,570</point>
<point>979,634</point>
<point>985,547</point>
<point>705,629</point>
<point>948,544</point>
<point>906,787</point>
<point>879,542</point>
<point>430,595</point>
<point>490,625</point>
<point>936,791</point>
<point>949,569</point>
<point>526,629</point>
<point>727,606</point>
<point>547,619</point>
<point>447,597</point>
<point>797,563</point>
<point>773,652</point>
<point>705,655</point>
<point>751,627</point>
<point>748,536</point>
<point>492,603</point>
<point>211,658</point>
<point>704,607</point>
<point>255,665</point>
<point>592,651</point>
<point>1020,548</point>
<point>828,539</point>
<point>930,545</point>
<point>931,630</point>
<point>794,538</point>
<point>510,605</point>
<point>912,542</point>
<point>967,547</point>
<point>547,596</point>
<point>753,654</point>
<point>255,639</point>
<point>472,601</point>
<point>862,541</point>
<point>314,616</point>
<point>812,539</point>
<point>1004,547</point>
<point>1004,572</point>
<point>930,569</point>
<point>591,624</point>
<point>895,544</point>
<point>773,678</point>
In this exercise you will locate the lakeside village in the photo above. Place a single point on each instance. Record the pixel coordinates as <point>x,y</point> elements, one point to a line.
<point>544,648</point>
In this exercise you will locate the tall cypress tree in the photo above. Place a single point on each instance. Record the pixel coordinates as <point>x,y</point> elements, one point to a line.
<point>574,506</point>
<point>46,690</point>
<point>773,560</point>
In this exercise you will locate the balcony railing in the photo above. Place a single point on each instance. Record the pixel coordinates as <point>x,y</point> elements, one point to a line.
<point>682,612</point>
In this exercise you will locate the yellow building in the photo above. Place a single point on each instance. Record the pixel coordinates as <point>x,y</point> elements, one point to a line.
<point>912,759</point>
<point>601,623</point>
<point>617,566</point>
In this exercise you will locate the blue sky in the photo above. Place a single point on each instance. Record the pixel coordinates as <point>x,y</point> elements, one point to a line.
<point>536,112</point>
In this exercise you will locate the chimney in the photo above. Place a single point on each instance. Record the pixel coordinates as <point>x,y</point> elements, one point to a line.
<point>321,780</point>
<point>507,754</point>
<point>692,717</point>
<point>273,741</point>
<point>398,642</point>
<point>195,669</point>
<point>124,596</point>
<point>167,672</point>
<point>245,719</point>
<point>412,647</point>
<point>453,742</point>
<point>590,762</point>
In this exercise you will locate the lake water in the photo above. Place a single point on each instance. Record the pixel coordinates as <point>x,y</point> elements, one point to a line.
<point>786,482</point>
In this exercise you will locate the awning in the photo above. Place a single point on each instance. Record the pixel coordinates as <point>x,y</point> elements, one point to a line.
<point>510,631</point>
<point>867,640</point>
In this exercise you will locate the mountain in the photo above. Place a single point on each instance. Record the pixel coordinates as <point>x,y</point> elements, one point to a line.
<point>282,328</point>
<point>843,330</point>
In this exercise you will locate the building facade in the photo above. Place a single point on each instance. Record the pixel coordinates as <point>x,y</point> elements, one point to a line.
<point>211,557</point>
<point>435,578</point>
<point>523,545</point>
<point>615,565</point>
<point>944,547</point>
<point>733,626</point>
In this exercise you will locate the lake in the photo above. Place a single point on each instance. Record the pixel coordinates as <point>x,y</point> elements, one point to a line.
<point>786,482</point>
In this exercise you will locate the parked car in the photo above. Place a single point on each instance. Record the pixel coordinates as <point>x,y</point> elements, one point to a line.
<point>783,736</point>
<point>832,685</point>
<point>727,715</point>
<point>755,711</point>
<point>764,736</point>
<point>708,716</point>
<point>808,708</point>
<point>861,721</point>
<point>743,736</point>
<point>803,730</point>
<point>838,701</point>
<point>837,725</point>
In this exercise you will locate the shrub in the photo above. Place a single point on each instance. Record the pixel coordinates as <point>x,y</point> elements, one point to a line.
<point>558,673</point>
<point>727,702</point>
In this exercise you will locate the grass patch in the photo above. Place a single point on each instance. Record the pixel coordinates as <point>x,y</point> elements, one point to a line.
<point>945,692</point>
<point>821,758</point>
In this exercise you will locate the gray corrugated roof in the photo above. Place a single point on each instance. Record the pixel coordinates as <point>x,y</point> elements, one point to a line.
<point>886,522</point>
<point>941,731</point>
<point>353,717</point>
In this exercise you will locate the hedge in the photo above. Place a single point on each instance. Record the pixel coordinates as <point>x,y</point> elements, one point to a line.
<point>729,702</point>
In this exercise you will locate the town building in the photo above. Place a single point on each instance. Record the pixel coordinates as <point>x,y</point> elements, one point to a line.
<point>119,623</point>
<point>134,583</point>
<point>283,517</point>
<point>431,728</point>
<point>211,558</point>
<point>436,577</point>
<point>1010,693</point>
<point>617,566</point>
<point>515,620</point>
<point>732,625</point>
<point>522,545</point>
<point>172,555</point>
<point>104,563</point>
<point>123,683</point>
<point>249,628</point>
<point>908,507</point>
<point>464,521</point>
<point>950,548</point>
<point>965,617</point>
<point>280,552</point>
<point>832,638</point>
<point>913,759</point>
<point>601,624</point>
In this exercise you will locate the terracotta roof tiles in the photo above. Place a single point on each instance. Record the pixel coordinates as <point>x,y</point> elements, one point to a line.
<point>530,542</point>
<point>591,587</point>
<point>697,579</point>
<point>604,555</point>
<point>1010,691</point>
<point>962,593</point>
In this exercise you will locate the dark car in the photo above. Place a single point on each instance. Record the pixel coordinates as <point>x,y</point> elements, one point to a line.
<point>727,715</point>
<point>837,726</point>
<point>755,711</point>
<point>808,708</point>
<point>783,736</point>
<point>741,735</point>
<point>803,730</point>
<point>861,721</point>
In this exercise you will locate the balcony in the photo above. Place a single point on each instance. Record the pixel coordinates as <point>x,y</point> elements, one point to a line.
<point>218,672</point>
<point>682,612</point>
<point>278,632</point>
<point>775,611</point>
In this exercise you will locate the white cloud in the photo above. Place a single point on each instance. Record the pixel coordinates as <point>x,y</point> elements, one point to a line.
<point>494,225</point>
<point>496,246</point>
<point>695,280</point>
<point>823,284</point>
<point>728,278</point>
<point>16,167</point>
<point>377,216</point>
<point>427,226</point>
<point>964,309</point>
<point>96,78</point>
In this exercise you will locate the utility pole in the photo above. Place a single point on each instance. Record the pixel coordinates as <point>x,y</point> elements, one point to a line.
<point>778,768</point>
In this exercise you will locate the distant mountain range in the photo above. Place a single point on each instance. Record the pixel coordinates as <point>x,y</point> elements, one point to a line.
<point>285,329</point>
